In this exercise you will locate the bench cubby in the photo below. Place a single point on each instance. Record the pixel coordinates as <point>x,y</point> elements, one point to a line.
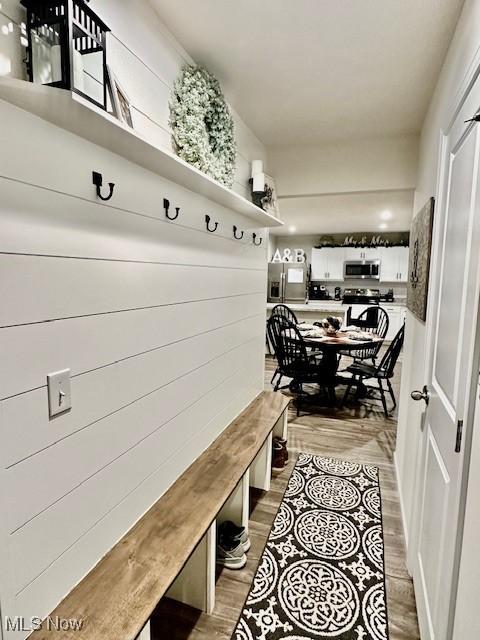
<point>171,550</point>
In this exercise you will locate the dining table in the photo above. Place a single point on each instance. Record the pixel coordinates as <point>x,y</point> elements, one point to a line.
<point>332,346</point>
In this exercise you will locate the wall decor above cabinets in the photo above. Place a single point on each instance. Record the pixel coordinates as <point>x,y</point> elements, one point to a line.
<point>364,240</point>
<point>97,180</point>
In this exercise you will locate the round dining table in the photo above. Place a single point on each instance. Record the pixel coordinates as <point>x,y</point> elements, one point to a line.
<point>331,346</point>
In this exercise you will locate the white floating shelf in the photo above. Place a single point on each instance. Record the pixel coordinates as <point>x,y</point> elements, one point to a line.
<point>72,113</point>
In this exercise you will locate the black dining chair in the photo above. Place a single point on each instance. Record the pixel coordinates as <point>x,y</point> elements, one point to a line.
<point>285,312</point>
<point>373,320</point>
<point>383,371</point>
<point>293,359</point>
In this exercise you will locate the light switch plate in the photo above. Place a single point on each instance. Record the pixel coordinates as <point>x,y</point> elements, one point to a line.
<point>59,394</point>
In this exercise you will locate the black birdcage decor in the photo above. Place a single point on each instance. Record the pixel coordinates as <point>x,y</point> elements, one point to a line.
<point>67,47</point>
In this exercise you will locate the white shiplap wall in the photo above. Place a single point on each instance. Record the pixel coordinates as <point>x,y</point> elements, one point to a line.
<point>161,324</point>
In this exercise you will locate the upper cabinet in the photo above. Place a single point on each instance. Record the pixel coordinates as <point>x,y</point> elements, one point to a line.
<point>327,263</point>
<point>354,253</point>
<point>394,266</point>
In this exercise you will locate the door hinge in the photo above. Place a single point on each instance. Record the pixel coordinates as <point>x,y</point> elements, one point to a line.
<point>458,441</point>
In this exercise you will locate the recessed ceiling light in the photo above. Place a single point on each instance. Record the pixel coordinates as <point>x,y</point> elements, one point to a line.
<point>386,215</point>
<point>292,229</point>
<point>383,226</point>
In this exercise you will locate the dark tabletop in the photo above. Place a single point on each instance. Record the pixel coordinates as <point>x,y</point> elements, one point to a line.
<point>341,342</point>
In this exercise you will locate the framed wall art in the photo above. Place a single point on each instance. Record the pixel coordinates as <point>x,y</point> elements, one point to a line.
<point>269,199</point>
<point>419,260</point>
<point>121,108</point>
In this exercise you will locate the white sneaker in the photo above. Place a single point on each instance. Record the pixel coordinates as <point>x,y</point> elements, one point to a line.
<point>232,535</point>
<point>231,558</point>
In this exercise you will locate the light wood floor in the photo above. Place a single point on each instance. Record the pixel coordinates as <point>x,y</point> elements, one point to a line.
<point>357,432</point>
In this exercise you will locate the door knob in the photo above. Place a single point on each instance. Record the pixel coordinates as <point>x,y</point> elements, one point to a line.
<point>421,395</point>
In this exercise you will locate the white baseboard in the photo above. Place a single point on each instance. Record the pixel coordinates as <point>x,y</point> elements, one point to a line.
<point>402,504</point>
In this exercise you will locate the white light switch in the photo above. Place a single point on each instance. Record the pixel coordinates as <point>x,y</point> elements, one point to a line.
<point>59,395</point>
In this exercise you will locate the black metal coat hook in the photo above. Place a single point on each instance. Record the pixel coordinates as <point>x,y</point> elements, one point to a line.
<point>207,222</point>
<point>254,237</point>
<point>235,229</point>
<point>166,206</point>
<point>97,180</point>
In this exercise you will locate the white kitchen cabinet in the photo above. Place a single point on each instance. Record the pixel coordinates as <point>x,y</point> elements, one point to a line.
<point>319,264</point>
<point>372,253</point>
<point>368,253</point>
<point>336,258</point>
<point>403,263</point>
<point>394,266</point>
<point>352,253</point>
<point>327,263</point>
<point>389,265</point>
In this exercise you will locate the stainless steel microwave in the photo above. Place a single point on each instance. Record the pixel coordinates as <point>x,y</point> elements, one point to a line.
<point>361,270</point>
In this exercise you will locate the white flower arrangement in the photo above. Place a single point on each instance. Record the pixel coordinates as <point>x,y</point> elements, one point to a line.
<point>202,125</point>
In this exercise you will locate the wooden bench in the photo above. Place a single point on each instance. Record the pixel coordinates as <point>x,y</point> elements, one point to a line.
<point>171,549</point>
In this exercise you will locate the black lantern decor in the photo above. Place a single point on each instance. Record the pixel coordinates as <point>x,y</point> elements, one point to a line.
<point>67,47</point>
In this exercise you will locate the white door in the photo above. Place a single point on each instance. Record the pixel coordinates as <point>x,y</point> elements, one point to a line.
<point>451,344</point>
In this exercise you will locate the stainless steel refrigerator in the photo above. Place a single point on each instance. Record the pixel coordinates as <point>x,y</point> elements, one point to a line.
<point>287,281</point>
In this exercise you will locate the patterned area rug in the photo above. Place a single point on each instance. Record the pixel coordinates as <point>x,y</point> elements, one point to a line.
<point>321,574</point>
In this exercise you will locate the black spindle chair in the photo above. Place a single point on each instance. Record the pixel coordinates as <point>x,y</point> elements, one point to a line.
<point>373,320</point>
<point>293,359</point>
<point>383,371</point>
<point>285,312</point>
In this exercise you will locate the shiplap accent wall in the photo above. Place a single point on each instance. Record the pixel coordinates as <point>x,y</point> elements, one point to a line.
<point>161,323</point>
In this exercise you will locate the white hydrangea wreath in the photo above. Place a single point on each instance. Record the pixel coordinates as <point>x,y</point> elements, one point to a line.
<point>202,125</point>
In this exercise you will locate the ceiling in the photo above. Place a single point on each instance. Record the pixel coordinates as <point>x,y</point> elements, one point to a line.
<point>309,71</point>
<point>374,211</point>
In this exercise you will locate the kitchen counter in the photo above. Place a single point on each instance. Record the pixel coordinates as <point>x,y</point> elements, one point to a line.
<point>328,305</point>
<point>318,310</point>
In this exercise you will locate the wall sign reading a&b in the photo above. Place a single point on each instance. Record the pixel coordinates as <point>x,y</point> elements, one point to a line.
<point>289,255</point>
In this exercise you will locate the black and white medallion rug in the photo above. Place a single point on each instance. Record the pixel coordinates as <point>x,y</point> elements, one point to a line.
<point>321,574</point>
